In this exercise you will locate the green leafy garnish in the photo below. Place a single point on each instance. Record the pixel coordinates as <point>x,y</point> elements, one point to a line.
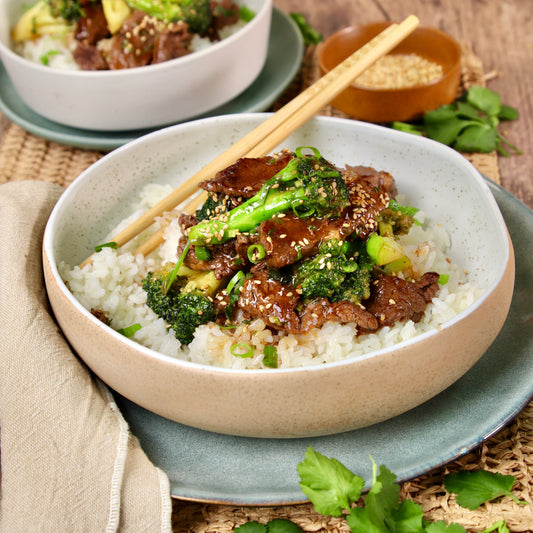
<point>328,484</point>
<point>474,488</point>
<point>130,330</point>
<point>99,247</point>
<point>270,356</point>
<point>45,58</point>
<point>470,124</point>
<point>246,14</point>
<point>310,36</point>
<point>277,525</point>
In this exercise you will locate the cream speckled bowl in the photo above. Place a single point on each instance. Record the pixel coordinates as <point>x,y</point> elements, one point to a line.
<point>142,97</point>
<point>322,400</point>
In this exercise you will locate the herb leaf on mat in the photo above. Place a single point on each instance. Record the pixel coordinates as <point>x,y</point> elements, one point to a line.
<point>474,488</point>
<point>470,124</point>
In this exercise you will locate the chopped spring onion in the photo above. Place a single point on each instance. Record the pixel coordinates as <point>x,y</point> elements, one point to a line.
<point>443,279</point>
<point>256,252</point>
<point>130,330</point>
<point>202,253</point>
<point>242,349</point>
<point>113,245</point>
<point>270,356</point>
<point>174,272</point>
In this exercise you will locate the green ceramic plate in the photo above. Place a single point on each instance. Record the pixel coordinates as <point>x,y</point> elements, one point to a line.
<point>209,467</point>
<point>282,64</point>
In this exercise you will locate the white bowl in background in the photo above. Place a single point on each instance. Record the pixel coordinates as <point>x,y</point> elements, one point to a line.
<point>142,97</point>
<point>297,402</point>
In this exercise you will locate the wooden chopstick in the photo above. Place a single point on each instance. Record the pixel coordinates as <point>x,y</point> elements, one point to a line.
<point>270,133</point>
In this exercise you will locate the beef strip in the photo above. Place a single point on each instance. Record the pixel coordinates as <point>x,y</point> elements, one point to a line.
<point>288,238</point>
<point>276,304</point>
<point>376,178</point>
<point>367,201</point>
<point>317,313</point>
<point>171,43</point>
<point>247,175</point>
<point>89,57</point>
<point>268,299</point>
<point>394,299</point>
<point>93,27</point>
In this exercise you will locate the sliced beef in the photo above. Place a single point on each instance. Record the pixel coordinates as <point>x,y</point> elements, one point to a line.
<point>171,43</point>
<point>394,299</point>
<point>270,300</point>
<point>289,238</point>
<point>89,57</point>
<point>367,202</point>
<point>223,13</point>
<point>247,175</point>
<point>317,313</point>
<point>376,178</point>
<point>93,27</point>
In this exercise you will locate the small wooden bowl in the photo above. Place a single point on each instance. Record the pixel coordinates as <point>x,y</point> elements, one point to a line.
<point>403,104</point>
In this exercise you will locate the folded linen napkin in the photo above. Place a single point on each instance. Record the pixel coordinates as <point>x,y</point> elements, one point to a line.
<point>68,462</point>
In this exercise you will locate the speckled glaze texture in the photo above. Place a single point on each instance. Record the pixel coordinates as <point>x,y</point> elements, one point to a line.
<point>142,97</point>
<point>303,402</point>
<point>388,105</point>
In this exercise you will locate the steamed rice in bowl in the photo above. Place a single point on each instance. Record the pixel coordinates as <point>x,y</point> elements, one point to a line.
<point>366,379</point>
<point>113,284</point>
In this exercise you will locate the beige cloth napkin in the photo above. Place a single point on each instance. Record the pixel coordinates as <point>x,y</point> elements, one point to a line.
<point>68,461</point>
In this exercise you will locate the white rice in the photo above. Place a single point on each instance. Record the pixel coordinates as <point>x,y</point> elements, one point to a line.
<point>112,283</point>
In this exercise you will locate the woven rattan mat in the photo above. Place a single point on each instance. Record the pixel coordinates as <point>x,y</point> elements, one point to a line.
<point>509,452</point>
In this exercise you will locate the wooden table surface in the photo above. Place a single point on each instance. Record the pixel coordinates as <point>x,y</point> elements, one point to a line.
<point>498,32</point>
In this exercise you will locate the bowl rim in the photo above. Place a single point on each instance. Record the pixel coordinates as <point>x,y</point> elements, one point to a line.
<point>266,8</point>
<point>48,241</point>
<point>393,90</point>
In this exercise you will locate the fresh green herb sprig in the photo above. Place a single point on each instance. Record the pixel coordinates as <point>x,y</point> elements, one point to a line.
<point>310,35</point>
<point>470,124</point>
<point>335,491</point>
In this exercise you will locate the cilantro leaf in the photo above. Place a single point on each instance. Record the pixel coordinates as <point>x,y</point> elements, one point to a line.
<point>310,36</point>
<point>484,99</point>
<point>474,488</point>
<point>441,527</point>
<point>277,525</point>
<point>280,525</point>
<point>499,527</point>
<point>508,113</point>
<point>477,138</point>
<point>328,484</point>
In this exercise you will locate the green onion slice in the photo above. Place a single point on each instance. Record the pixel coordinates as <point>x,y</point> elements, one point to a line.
<point>256,252</point>
<point>242,349</point>
<point>113,245</point>
<point>174,272</point>
<point>130,330</point>
<point>270,356</point>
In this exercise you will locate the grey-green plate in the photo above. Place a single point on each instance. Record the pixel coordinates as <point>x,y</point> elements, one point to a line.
<point>209,467</point>
<point>283,61</point>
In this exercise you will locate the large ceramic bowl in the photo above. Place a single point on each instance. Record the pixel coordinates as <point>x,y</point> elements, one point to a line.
<point>297,402</point>
<point>141,97</point>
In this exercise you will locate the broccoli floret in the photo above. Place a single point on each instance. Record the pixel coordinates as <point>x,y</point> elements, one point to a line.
<point>186,305</point>
<point>339,271</point>
<point>308,185</point>
<point>211,207</point>
<point>70,10</point>
<point>196,13</point>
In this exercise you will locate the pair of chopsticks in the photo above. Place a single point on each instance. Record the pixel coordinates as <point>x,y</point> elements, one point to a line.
<point>270,133</point>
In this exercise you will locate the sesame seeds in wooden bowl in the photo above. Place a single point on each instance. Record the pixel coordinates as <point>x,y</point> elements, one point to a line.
<point>420,74</point>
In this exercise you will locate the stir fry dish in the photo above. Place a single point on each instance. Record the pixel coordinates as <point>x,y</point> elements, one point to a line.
<point>297,242</point>
<point>118,34</point>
